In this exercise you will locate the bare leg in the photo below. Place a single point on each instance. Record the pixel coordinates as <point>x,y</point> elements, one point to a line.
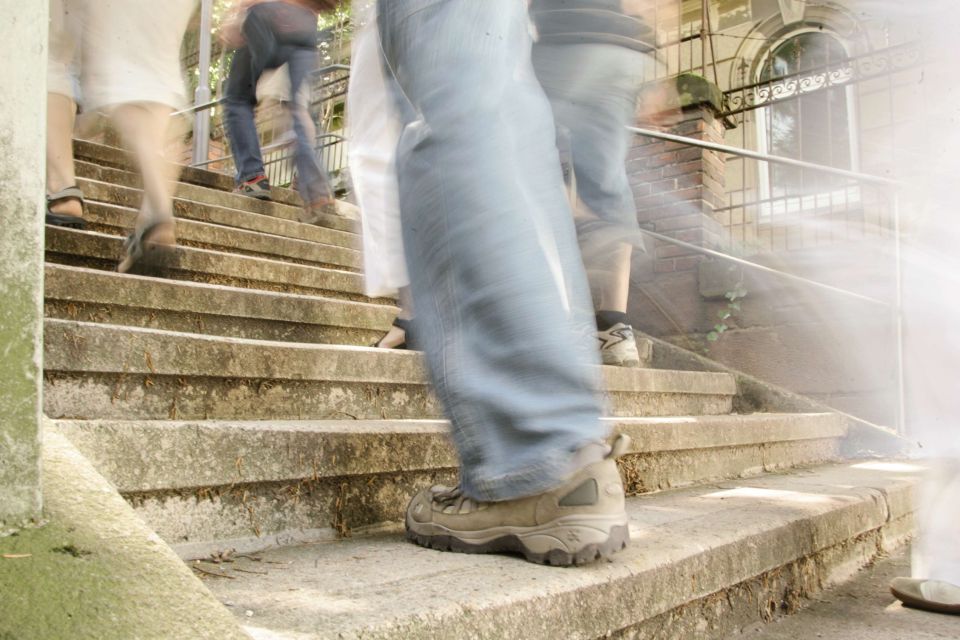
<point>61,114</point>
<point>145,129</point>
<point>397,335</point>
<point>613,284</point>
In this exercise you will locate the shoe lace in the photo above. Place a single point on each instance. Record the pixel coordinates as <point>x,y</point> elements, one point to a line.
<point>453,501</point>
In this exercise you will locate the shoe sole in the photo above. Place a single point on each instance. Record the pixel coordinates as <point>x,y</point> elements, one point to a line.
<point>616,540</point>
<point>256,195</point>
<point>925,605</point>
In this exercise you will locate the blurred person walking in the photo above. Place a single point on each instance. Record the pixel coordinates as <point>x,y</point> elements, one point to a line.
<point>122,60</point>
<point>268,35</point>
<point>589,58</point>
<point>928,165</point>
<point>501,295</point>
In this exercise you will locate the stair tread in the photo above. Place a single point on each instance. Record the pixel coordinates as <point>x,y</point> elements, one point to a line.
<point>209,263</point>
<point>687,544</point>
<point>119,219</point>
<point>275,450</point>
<point>121,160</point>
<point>242,218</point>
<point>81,284</point>
<point>251,358</point>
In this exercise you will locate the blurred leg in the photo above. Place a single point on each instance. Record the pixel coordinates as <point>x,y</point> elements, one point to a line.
<point>62,61</point>
<point>145,129</point>
<point>312,179</point>
<point>495,272</point>
<point>613,278</point>
<point>61,114</point>
<point>240,100</point>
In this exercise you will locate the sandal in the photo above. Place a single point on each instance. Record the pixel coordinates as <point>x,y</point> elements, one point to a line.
<point>405,326</point>
<point>63,219</point>
<point>143,255</point>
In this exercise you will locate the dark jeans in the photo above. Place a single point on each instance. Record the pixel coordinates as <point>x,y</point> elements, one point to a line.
<point>268,47</point>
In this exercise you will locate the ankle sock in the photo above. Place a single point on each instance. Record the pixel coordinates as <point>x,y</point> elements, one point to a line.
<point>606,319</point>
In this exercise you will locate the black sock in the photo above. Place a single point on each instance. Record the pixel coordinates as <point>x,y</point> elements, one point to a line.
<point>606,319</point>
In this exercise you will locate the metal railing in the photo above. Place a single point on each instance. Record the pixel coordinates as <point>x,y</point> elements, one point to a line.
<point>895,307</point>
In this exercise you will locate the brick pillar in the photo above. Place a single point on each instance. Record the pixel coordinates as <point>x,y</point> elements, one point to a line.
<point>677,187</point>
<point>23,44</point>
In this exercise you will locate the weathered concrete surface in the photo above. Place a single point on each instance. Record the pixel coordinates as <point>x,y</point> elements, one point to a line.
<point>285,203</point>
<point>239,218</point>
<point>92,295</point>
<point>143,456</point>
<point>115,158</point>
<point>94,570</point>
<point>759,395</point>
<point>862,609</point>
<point>117,220</point>
<point>192,197</point>
<point>105,371</point>
<point>23,39</point>
<point>236,484</point>
<point>103,251</point>
<point>689,547</point>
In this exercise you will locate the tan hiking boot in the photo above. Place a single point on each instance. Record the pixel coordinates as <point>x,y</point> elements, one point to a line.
<point>580,521</point>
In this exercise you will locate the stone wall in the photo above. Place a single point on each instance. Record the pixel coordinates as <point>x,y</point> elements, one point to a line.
<point>23,39</point>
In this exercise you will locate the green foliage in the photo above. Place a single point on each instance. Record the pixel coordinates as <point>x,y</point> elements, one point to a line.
<point>727,312</point>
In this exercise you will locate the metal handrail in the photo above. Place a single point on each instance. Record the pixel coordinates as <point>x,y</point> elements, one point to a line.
<point>765,269</point>
<point>197,108</point>
<point>766,157</point>
<point>337,139</point>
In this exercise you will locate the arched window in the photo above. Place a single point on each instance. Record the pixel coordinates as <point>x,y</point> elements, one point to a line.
<point>815,125</point>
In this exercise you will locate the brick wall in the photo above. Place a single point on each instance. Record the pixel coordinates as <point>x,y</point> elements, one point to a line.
<point>676,188</point>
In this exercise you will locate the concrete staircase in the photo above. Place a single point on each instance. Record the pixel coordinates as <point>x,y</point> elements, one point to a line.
<point>235,406</point>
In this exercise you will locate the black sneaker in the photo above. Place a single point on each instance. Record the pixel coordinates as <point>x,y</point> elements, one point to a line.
<point>258,188</point>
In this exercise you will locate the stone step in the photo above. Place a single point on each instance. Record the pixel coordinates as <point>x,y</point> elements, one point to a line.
<point>117,220</point>
<point>195,202</point>
<point>90,295</point>
<point>103,251</point>
<point>267,481</point>
<point>702,560</point>
<point>111,372</point>
<point>114,185</point>
<point>114,158</point>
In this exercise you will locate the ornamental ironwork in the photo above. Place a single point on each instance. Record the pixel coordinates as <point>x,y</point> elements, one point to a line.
<point>884,62</point>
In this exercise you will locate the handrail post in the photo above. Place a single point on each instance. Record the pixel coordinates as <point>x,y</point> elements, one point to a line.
<point>201,119</point>
<point>898,316</point>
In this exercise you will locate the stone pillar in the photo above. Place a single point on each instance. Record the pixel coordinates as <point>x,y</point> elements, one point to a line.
<point>23,47</point>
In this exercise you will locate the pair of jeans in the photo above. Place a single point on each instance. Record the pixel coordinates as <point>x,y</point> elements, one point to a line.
<point>268,49</point>
<point>499,288</point>
<point>593,90</point>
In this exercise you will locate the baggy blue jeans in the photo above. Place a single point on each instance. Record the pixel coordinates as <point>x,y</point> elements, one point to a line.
<point>500,291</point>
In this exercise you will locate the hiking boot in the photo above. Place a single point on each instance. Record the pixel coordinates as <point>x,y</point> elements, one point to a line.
<point>580,521</point>
<point>618,346</point>
<point>258,188</point>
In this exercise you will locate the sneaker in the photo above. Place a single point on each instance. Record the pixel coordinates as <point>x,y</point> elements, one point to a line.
<point>929,595</point>
<point>618,346</point>
<point>258,188</point>
<point>580,521</point>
